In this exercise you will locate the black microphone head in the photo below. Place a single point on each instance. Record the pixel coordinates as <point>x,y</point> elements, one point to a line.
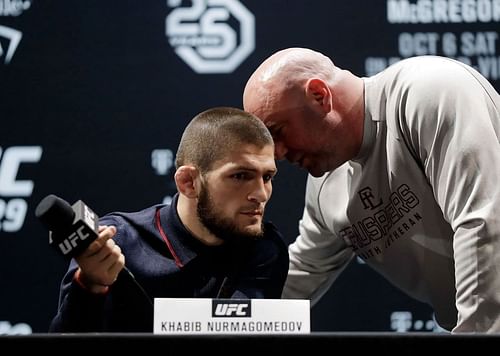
<point>55,213</point>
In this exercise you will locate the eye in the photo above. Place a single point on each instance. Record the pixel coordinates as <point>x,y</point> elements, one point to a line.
<point>276,131</point>
<point>240,176</point>
<point>268,177</point>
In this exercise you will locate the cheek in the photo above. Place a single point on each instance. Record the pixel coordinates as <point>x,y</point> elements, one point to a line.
<point>229,201</point>
<point>298,142</point>
<point>229,192</point>
<point>302,137</point>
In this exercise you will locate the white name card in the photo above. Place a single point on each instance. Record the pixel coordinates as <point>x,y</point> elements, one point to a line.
<point>231,316</point>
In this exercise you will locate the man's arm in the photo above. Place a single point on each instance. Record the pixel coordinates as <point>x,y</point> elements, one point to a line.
<point>455,125</point>
<point>318,256</point>
<point>86,284</point>
<point>79,309</point>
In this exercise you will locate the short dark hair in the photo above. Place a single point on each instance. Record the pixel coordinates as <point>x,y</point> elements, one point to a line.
<point>213,133</point>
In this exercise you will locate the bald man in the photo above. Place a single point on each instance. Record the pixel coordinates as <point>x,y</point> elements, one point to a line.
<point>404,170</point>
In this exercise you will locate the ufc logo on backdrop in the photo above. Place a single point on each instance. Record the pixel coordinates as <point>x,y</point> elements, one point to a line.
<point>14,7</point>
<point>205,37</point>
<point>13,210</point>
<point>9,40</point>
<point>231,308</point>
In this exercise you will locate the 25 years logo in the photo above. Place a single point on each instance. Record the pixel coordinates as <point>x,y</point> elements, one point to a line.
<point>203,37</point>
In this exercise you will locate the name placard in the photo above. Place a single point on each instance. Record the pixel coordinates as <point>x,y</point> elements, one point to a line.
<point>231,316</point>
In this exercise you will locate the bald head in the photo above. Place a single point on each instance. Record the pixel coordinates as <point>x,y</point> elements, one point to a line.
<point>284,71</point>
<point>314,110</point>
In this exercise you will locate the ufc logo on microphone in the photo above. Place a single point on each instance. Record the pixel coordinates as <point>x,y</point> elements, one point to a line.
<point>231,308</point>
<point>72,241</point>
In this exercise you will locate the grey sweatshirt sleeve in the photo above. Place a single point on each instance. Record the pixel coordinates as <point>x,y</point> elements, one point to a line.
<point>317,256</point>
<point>454,129</point>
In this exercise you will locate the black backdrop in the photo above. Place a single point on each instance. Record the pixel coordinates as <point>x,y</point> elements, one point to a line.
<point>94,96</point>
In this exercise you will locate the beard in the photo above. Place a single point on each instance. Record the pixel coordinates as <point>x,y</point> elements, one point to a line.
<point>223,228</point>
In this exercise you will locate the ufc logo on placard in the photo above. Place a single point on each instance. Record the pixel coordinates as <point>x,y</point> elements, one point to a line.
<point>231,308</point>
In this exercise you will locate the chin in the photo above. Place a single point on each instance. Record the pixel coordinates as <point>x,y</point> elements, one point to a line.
<point>317,175</point>
<point>253,230</point>
<point>316,171</point>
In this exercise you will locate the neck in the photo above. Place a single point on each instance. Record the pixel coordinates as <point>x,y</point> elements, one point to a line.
<point>186,208</point>
<point>350,106</point>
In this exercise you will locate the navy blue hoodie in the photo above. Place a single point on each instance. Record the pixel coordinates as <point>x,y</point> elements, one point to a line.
<point>168,262</point>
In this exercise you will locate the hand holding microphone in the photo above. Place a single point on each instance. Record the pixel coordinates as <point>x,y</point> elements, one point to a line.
<point>101,262</point>
<point>74,232</point>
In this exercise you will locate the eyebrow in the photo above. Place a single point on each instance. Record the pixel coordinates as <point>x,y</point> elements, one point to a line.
<point>274,128</point>
<point>271,125</point>
<point>251,169</point>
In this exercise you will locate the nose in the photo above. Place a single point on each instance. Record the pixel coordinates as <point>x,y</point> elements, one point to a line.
<point>280,150</point>
<point>261,191</point>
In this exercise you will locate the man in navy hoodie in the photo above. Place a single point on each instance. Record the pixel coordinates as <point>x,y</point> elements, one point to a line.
<point>210,242</point>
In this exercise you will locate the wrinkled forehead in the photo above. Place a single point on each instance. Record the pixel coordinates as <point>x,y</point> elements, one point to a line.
<point>281,112</point>
<point>247,157</point>
<point>272,105</point>
<point>257,98</point>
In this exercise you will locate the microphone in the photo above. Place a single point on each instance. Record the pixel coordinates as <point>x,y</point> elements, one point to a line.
<point>72,228</point>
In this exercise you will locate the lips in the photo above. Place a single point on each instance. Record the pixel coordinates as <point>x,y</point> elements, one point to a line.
<point>253,212</point>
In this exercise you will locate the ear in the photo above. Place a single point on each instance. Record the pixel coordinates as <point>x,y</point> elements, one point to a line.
<point>318,92</point>
<point>185,177</point>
